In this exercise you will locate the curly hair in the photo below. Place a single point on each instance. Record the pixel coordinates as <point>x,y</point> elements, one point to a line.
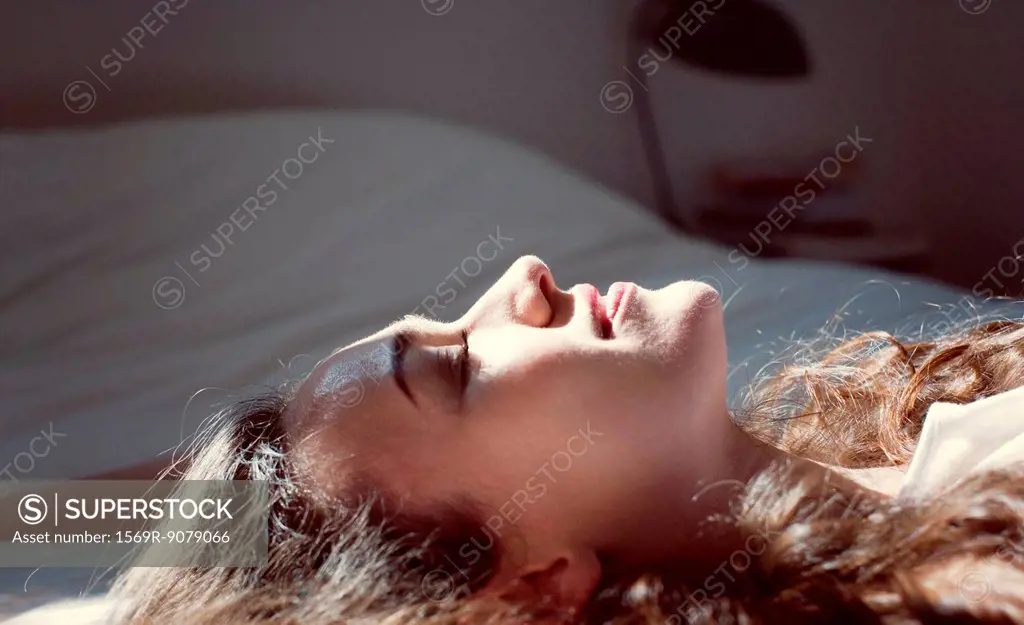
<point>803,551</point>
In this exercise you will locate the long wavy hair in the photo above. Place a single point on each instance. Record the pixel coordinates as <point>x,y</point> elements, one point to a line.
<point>803,552</point>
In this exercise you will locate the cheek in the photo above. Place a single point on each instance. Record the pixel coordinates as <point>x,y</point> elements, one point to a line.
<point>535,390</point>
<point>533,378</point>
<point>526,403</point>
<point>549,385</point>
<point>533,416</point>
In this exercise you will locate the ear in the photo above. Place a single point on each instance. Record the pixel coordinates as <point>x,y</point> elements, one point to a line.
<point>568,578</point>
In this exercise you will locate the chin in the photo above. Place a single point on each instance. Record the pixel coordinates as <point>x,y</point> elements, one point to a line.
<point>681,317</point>
<point>691,336</point>
<point>689,296</point>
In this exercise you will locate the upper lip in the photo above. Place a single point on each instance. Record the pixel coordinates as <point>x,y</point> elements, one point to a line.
<point>616,293</point>
<point>602,321</point>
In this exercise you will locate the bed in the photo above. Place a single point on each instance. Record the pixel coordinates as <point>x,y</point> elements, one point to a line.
<point>143,287</point>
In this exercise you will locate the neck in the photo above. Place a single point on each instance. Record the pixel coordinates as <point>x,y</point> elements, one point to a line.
<point>672,529</point>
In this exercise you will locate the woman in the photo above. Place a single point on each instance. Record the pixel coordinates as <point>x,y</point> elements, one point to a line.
<point>566,455</point>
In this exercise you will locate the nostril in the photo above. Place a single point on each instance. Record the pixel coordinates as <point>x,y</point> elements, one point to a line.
<point>549,293</point>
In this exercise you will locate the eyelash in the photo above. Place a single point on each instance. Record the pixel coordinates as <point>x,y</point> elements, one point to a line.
<point>458,364</point>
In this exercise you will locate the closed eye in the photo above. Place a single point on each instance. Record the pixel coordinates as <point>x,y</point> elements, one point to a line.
<point>455,366</point>
<point>464,371</point>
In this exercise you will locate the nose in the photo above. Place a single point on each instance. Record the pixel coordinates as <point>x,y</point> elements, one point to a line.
<point>522,295</point>
<point>531,295</point>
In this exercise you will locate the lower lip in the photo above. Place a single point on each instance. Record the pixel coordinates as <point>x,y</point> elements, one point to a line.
<point>618,293</point>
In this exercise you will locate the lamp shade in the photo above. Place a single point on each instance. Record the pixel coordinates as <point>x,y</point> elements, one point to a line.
<point>747,38</point>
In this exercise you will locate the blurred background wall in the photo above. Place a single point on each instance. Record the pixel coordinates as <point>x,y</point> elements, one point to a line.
<point>937,88</point>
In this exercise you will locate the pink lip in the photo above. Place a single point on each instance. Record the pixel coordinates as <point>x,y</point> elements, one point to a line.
<point>602,322</point>
<point>616,296</point>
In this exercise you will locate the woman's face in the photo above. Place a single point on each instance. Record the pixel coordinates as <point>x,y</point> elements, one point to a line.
<point>576,422</point>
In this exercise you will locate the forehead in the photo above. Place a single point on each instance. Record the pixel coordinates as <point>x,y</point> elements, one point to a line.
<point>332,413</point>
<point>349,411</point>
<point>342,381</point>
<point>350,414</point>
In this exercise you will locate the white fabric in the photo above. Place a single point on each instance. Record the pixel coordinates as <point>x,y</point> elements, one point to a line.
<point>92,611</point>
<point>959,440</point>
<point>93,219</point>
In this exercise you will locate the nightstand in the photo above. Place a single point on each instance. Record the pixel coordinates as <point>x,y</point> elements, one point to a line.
<point>855,241</point>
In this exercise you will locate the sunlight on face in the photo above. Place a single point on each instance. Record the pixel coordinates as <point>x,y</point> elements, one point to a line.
<point>604,400</point>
